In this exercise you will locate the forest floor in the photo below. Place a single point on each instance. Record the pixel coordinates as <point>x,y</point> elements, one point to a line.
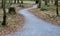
<point>14,22</point>
<point>35,26</point>
<point>49,16</point>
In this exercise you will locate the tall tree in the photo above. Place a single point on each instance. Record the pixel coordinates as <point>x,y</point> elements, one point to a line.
<point>57,7</point>
<point>39,5</point>
<point>46,2</point>
<point>14,1</point>
<point>55,2</point>
<point>17,1</point>
<point>2,4</point>
<point>4,14</point>
<point>10,2</point>
<point>52,1</point>
<point>21,3</point>
<point>36,1</point>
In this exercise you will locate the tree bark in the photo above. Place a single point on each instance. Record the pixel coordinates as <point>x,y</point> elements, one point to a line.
<point>39,5</point>
<point>14,1</point>
<point>10,2</point>
<point>2,4</point>
<point>55,2</point>
<point>22,3</point>
<point>4,14</point>
<point>57,7</point>
<point>46,3</point>
<point>36,1</point>
<point>17,1</point>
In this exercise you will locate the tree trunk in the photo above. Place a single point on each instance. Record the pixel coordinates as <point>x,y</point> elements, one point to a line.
<point>21,3</point>
<point>4,14</point>
<point>2,4</point>
<point>52,1</point>
<point>57,8</point>
<point>46,3</point>
<point>55,2</point>
<point>39,5</point>
<point>14,1</point>
<point>17,1</point>
<point>36,1</point>
<point>10,3</point>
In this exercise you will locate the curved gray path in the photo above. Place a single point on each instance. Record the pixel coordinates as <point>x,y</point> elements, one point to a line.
<point>36,27</point>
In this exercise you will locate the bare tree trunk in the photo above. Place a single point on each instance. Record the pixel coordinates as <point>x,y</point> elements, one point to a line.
<point>52,1</point>
<point>4,14</point>
<point>14,1</point>
<point>2,4</point>
<point>10,2</point>
<point>57,7</point>
<point>36,1</point>
<point>46,2</point>
<point>17,1</point>
<point>55,2</point>
<point>22,3</point>
<point>39,5</point>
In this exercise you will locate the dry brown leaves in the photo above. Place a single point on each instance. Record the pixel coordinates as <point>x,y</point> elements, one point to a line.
<point>42,15</point>
<point>14,23</point>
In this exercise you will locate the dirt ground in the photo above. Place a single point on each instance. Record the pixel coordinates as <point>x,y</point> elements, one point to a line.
<point>49,16</point>
<point>14,22</point>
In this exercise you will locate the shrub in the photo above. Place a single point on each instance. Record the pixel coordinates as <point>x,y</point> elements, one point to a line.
<point>12,10</point>
<point>44,8</point>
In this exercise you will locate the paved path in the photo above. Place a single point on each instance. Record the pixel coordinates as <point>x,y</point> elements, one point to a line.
<point>36,27</point>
